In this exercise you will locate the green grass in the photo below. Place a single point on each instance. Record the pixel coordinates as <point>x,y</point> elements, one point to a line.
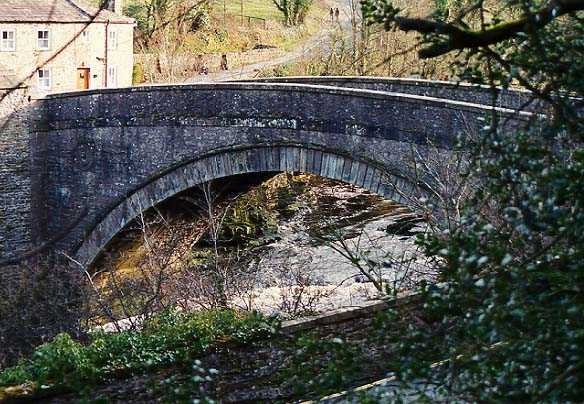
<point>254,8</point>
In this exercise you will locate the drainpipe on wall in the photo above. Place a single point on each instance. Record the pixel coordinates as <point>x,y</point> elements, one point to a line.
<point>105,55</point>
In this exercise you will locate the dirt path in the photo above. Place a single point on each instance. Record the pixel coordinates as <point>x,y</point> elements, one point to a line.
<point>317,41</point>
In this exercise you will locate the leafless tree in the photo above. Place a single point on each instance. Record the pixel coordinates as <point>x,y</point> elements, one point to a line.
<point>435,184</point>
<point>392,267</point>
<point>161,271</point>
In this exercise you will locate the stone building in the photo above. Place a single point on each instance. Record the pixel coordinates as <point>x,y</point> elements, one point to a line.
<point>53,46</point>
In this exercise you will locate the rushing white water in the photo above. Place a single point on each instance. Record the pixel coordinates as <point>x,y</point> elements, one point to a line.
<point>321,245</point>
<point>330,268</point>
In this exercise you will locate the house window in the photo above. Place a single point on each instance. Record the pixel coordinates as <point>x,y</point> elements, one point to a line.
<point>85,36</point>
<point>112,76</point>
<point>7,40</point>
<point>43,39</point>
<point>112,40</point>
<point>44,77</point>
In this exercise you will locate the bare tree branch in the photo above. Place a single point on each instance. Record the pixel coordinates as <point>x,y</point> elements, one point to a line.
<point>459,38</point>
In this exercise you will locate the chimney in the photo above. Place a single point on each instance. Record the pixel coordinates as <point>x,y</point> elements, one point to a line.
<point>116,6</point>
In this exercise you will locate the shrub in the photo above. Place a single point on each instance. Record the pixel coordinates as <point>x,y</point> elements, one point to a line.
<point>138,75</point>
<point>167,339</point>
<point>505,318</point>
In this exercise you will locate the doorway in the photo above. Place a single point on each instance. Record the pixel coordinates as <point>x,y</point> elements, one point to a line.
<point>83,78</point>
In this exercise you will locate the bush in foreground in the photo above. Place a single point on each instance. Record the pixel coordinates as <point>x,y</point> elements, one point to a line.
<point>171,338</point>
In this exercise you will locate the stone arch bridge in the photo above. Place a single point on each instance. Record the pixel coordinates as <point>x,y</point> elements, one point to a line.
<point>95,159</point>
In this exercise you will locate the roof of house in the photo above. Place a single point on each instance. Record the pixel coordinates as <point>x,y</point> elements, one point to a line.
<point>56,11</point>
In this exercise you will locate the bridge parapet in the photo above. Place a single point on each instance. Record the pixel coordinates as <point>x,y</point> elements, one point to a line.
<point>457,91</point>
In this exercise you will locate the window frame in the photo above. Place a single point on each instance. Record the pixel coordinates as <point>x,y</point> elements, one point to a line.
<point>112,79</point>
<point>85,36</point>
<point>47,39</point>
<point>112,44</point>
<point>49,78</point>
<point>3,41</point>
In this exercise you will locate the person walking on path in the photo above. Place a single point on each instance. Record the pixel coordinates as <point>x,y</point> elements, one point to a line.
<point>332,14</point>
<point>198,64</point>
<point>337,14</point>
<point>224,62</point>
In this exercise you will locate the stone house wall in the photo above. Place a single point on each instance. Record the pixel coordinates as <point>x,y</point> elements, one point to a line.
<point>73,50</point>
<point>12,100</point>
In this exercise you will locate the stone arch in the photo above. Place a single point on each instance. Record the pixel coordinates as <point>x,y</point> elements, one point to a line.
<point>334,165</point>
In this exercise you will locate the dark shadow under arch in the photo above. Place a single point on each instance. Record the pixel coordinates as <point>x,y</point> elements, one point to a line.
<point>259,159</point>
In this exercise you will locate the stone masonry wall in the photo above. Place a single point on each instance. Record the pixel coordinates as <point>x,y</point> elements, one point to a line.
<point>15,179</point>
<point>12,100</point>
<point>83,52</point>
<point>84,164</point>
<point>465,92</point>
<point>103,147</point>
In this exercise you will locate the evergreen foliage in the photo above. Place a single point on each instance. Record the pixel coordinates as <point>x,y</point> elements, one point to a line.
<point>504,322</point>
